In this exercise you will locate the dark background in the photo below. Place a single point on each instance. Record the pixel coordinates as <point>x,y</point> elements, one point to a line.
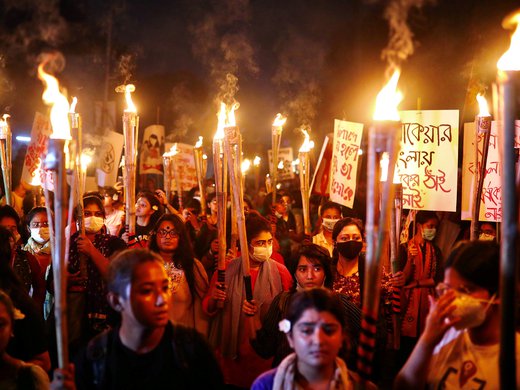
<point>313,60</point>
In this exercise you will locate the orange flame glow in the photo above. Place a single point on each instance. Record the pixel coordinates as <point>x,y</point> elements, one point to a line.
<point>279,120</point>
<point>483,106</point>
<point>199,142</point>
<point>510,60</point>
<point>59,105</point>
<point>256,161</point>
<point>246,164</point>
<point>226,118</point>
<point>307,143</point>
<point>388,99</point>
<point>130,106</point>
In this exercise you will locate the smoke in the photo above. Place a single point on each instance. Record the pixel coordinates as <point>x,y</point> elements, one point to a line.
<point>183,104</point>
<point>401,44</point>
<point>125,67</point>
<point>33,25</point>
<point>297,77</point>
<point>221,43</point>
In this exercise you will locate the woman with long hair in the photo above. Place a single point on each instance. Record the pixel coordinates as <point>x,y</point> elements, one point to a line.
<point>148,210</point>
<point>189,282</point>
<point>312,270</point>
<point>316,330</point>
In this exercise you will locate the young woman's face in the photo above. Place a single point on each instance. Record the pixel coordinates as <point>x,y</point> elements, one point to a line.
<point>143,208</point>
<point>93,210</point>
<point>39,220</point>
<point>309,274</point>
<point>148,295</point>
<point>167,237</point>
<point>316,339</point>
<point>349,233</point>
<point>213,206</point>
<point>6,327</point>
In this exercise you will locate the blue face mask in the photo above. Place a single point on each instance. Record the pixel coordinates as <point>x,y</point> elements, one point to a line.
<point>429,234</point>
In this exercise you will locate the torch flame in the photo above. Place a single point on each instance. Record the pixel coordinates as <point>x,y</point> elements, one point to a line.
<point>246,164</point>
<point>279,120</point>
<point>199,142</point>
<point>256,161</point>
<point>307,143</point>
<point>483,106</point>
<point>510,60</point>
<point>130,106</point>
<point>59,105</point>
<point>280,164</point>
<point>86,159</point>
<point>73,105</point>
<point>172,152</point>
<point>388,99</point>
<point>226,118</point>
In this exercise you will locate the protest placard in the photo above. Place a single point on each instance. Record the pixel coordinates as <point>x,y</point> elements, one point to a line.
<point>321,179</point>
<point>427,161</point>
<point>40,133</point>
<point>347,140</point>
<point>108,158</point>
<point>184,164</point>
<point>491,200</point>
<point>285,159</point>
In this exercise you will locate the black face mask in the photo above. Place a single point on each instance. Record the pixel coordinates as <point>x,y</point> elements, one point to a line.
<point>349,249</point>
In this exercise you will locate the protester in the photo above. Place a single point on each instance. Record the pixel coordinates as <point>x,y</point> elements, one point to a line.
<point>29,342</point>
<point>189,282</point>
<point>231,323</point>
<point>330,213</point>
<point>39,246</point>
<point>147,211</point>
<point>14,373</point>
<point>315,328</point>
<point>487,232</point>
<point>422,270</point>
<point>312,270</point>
<point>459,347</point>
<point>114,214</point>
<point>88,268</point>
<point>24,264</point>
<point>146,351</point>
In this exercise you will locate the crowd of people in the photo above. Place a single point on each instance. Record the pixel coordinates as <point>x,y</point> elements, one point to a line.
<point>148,310</point>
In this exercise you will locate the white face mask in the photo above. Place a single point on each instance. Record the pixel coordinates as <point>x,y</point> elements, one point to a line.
<point>262,253</point>
<point>40,235</point>
<point>94,224</point>
<point>328,223</point>
<point>470,310</point>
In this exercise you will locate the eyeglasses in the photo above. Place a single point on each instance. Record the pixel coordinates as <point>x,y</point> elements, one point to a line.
<point>167,233</point>
<point>39,224</point>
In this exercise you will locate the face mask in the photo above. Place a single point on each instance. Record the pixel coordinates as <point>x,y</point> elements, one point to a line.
<point>328,223</point>
<point>486,237</point>
<point>429,234</point>
<point>262,253</point>
<point>40,235</point>
<point>349,249</point>
<point>93,224</point>
<point>470,310</point>
<point>278,215</point>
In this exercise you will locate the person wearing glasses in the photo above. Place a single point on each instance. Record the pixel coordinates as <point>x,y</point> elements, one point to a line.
<point>233,318</point>
<point>189,281</point>
<point>459,347</point>
<point>89,256</point>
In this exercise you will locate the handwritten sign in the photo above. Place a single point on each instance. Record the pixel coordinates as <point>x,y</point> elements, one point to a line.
<point>427,161</point>
<point>40,133</point>
<point>184,163</point>
<point>491,200</point>
<point>347,140</point>
<point>285,156</point>
<point>150,157</point>
<point>321,179</point>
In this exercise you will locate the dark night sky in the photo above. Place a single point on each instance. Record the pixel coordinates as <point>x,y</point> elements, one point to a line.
<point>320,57</point>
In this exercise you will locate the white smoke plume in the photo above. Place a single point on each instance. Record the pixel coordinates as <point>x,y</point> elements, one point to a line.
<point>126,67</point>
<point>401,43</point>
<point>221,42</point>
<point>298,77</point>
